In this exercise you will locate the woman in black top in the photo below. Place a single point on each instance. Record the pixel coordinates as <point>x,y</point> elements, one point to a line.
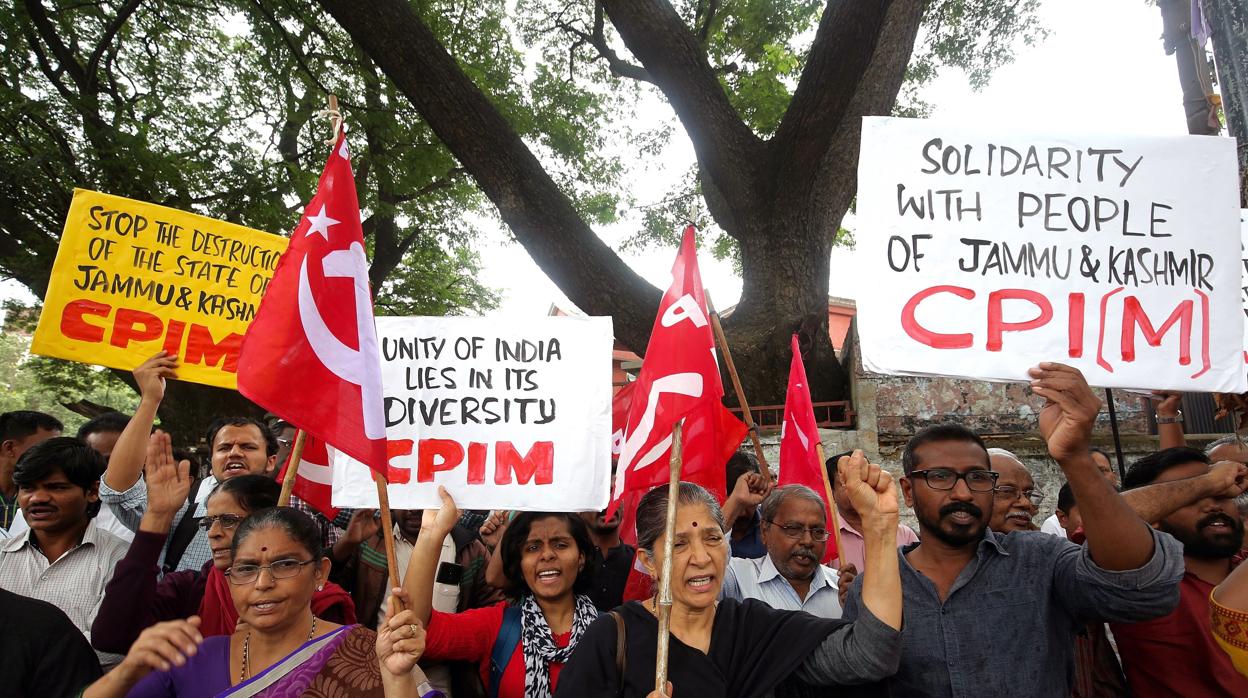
<point>744,649</point>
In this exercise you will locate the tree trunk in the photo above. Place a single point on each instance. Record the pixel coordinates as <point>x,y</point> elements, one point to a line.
<point>1229,22</point>
<point>1176,20</point>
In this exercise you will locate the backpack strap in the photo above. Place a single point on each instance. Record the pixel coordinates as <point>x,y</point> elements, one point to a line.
<point>504,647</point>
<point>185,530</point>
<point>620,645</point>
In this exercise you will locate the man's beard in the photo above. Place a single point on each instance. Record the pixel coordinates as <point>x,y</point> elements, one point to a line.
<point>961,534</point>
<point>1198,545</point>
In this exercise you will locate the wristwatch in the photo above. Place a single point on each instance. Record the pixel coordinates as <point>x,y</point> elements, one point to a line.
<point>1176,419</point>
<point>425,690</point>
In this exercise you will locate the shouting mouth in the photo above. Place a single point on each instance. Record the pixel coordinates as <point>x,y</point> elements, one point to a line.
<point>700,584</point>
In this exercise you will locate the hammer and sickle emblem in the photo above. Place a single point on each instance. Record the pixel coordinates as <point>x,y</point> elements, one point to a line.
<point>345,362</point>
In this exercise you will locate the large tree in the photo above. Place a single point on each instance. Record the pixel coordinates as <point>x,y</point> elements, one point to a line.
<point>774,120</point>
<point>211,109</point>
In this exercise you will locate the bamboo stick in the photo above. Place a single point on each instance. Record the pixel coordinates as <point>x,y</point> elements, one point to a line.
<point>665,574</point>
<point>736,386</point>
<point>292,471</point>
<point>833,518</point>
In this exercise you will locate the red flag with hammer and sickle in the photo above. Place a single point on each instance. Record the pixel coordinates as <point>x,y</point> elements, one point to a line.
<point>310,355</point>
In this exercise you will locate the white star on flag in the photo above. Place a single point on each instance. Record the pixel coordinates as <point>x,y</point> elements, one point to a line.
<point>319,224</point>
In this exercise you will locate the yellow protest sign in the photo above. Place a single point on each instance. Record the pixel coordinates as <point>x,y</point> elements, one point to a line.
<point>132,278</point>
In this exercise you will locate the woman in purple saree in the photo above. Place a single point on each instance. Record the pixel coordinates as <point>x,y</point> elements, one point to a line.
<point>280,648</point>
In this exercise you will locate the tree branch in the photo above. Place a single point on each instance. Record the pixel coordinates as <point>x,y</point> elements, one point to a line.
<point>598,39</point>
<point>726,148</point>
<point>479,136</point>
<point>839,57</point>
<point>110,32</point>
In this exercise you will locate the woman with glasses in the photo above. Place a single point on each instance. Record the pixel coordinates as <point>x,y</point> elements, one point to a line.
<point>280,648</point>
<point>726,648</point>
<point>137,597</point>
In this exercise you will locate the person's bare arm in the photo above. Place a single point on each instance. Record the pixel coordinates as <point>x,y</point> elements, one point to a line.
<point>750,491</point>
<point>435,526</point>
<point>1117,538</point>
<point>492,534</point>
<point>1233,591</point>
<point>874,496</point>
<point>126,461</point>
<point>1155,502</point>
<point>1166,405</point>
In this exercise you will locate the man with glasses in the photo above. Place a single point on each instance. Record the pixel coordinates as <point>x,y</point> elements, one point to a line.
<point>1016,499</point>
<point>989,614</point>
<point>789,576</point>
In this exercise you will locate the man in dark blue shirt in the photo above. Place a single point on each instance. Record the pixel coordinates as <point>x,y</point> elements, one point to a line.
<point>988,614</point>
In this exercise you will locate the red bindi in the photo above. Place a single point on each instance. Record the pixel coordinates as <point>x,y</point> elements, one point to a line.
<point>695,524</point>
<point>263,549</point>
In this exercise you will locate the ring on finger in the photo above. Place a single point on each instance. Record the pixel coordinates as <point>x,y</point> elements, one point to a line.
<point>415,629</point>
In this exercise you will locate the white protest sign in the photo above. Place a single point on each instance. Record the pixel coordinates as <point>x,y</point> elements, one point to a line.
<point>506,413</point>
<point>991,250</point>
<point>1243,248</point>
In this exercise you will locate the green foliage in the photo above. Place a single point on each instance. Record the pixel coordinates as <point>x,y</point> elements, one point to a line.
<point>38,383</point>
<point>759,48</point>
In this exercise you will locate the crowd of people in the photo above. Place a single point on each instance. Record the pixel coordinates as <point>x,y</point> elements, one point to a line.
<point>123,574</point>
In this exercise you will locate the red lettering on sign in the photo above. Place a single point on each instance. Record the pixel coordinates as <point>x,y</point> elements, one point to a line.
<point>476,463</point>
<point>127,324</point>
<point>74,324</point>
<point>996,324</point>
<point>202,349</point>
<point>936,340</point>
<point>1074,329</point>
<point>435,456</point>
<point>537,465</point>
<point>1133,315</point>
<point>395,448</point>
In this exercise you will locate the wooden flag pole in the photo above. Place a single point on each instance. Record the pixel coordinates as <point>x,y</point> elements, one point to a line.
<point>736,386</point>
<point>665,573</point>
<point>827,488</point>
<point>387,528</point>
<point>292,471</point>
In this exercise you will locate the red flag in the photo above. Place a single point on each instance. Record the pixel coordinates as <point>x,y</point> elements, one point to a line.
<point>800,463</point>
<point>310,355</point>
<point>314,481</point>
<point>679,379</point>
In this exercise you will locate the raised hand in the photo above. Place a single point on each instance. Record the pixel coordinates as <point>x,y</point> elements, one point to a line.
<point>870,488</point>
<point>492,529</point>
<point>362,526</point>
<point>440,522</point>
<point>161,647</point>
<point>1166,403</point>
<point>401,639</point>
<point>168,481</point>
<point>151,375</point>
<point>1228,478</point>
<point>845,577</point>
<point>1069,412</point>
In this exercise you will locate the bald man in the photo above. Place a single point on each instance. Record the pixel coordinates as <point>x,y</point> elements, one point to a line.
<point>1015,498</point>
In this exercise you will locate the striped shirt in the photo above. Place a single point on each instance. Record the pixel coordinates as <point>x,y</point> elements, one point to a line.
<point>74,582</point>
<point>759,579</point>
<point>128,507</point>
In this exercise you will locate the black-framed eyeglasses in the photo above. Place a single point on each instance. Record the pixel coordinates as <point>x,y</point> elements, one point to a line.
<point>280,569</point>
<point>946,479</point>
<point>1010,493</point>
<point>818,533</point>
<point>229,522</point>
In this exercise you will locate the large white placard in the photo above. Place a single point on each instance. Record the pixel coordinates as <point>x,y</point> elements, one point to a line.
<point>991,250</point>
<point>507,413</point>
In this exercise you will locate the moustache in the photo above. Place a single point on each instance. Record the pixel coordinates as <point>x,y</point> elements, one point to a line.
<point>803,551</point>
<point>1218,518</point>
<point>956,507</point>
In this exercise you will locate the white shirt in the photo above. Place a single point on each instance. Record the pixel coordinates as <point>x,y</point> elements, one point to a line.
<point>759,579</point>
<point>73,583</point>
<point>1053,527</point>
